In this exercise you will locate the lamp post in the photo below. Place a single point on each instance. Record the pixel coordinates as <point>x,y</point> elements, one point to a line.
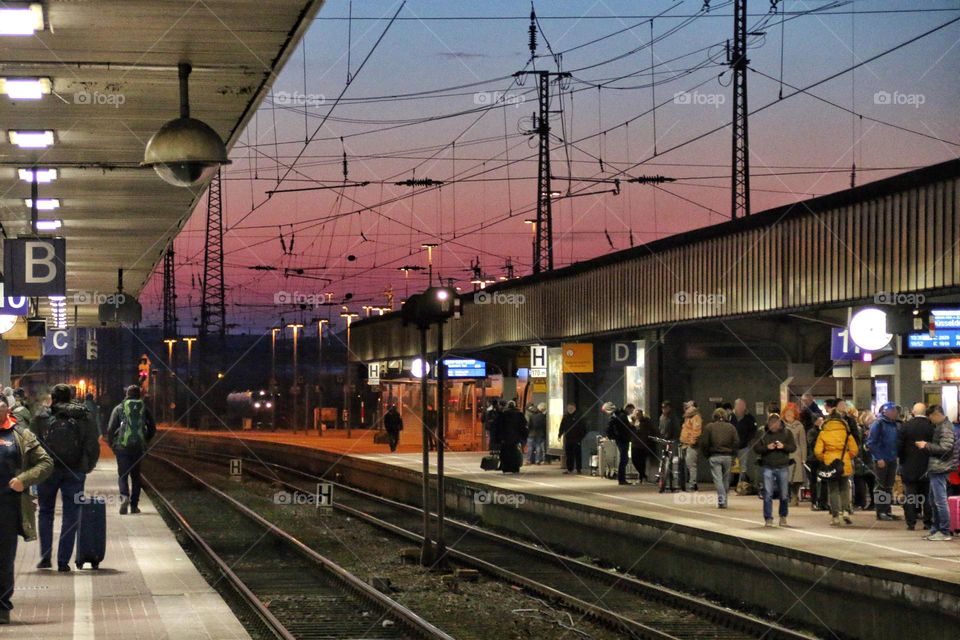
<point>189,341</point>
<point>171,386</point>
<point>295,387</point>
<point>429,246</point>
<point>320,323</point>
<point>273,359</point>
<point>533,240</point>
<point>347,388</point>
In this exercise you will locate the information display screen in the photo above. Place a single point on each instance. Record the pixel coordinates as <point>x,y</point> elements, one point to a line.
<point>946,335</point>
<point>465,368</point>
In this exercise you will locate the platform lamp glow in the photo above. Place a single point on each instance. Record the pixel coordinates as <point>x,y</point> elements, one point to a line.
<point>185,151</point>
<point>347,390</point>
<point>868,329</point>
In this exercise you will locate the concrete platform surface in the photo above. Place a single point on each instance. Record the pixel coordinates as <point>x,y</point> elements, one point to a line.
<point>146,588</point>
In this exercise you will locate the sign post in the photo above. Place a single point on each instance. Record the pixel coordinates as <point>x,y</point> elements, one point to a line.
<point>538,361</point>
<point>236,469</point>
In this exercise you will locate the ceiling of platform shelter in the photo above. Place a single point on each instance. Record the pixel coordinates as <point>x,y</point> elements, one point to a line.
<point>109,77</point>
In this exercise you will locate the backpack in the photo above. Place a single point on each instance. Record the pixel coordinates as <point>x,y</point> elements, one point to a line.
<point>61,439</point>
<point>130,435</point>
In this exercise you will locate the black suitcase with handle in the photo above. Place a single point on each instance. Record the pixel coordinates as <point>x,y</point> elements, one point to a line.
<point>92,532</point>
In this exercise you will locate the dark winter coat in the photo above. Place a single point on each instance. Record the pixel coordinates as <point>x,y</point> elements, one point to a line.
<point>775,458</point>
<point>513,427</point>
<point>746,428</point>
<point>538,425</point>
<point>618,428</point>
<point>718,439</point>
<point>572,428</point>
<point>913,461</point>
<point>392,421</point>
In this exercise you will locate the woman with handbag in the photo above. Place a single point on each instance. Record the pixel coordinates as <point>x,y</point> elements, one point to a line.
<point>836,449</point>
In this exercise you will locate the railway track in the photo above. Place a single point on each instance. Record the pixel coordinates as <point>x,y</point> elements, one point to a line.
<point>637,608</point>
<point>293,592</point>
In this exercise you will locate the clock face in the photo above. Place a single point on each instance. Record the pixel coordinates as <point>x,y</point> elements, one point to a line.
<point>868,329</point>
<point>7,322</point>
<point>418,368</point>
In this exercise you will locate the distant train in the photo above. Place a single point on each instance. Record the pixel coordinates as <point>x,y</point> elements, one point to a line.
<point>252,410</point>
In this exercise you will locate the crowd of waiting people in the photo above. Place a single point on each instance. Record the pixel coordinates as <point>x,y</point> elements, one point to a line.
<point>838,458</point>
<point>51,445</point>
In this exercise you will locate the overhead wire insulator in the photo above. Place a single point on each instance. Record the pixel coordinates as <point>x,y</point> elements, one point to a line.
<point>533,31</point>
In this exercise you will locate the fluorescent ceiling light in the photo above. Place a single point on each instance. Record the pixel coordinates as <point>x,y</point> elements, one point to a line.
<point>43,204</point>
<point>31,139</point>
<point>48,225</point>
<point>25,88</point>
<point>21,20</point>
<point>43,175</point>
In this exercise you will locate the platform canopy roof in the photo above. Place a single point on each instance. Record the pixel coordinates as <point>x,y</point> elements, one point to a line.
<point>112,69</point>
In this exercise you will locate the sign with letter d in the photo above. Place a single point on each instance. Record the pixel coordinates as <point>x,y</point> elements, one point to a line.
<point>35,267</point>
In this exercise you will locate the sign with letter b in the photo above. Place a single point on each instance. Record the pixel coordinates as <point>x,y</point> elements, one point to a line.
<point>35,267</point>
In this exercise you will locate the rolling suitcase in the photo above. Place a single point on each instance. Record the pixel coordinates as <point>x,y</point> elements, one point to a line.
<point>953,508</point>
<point>607,457</point>
<point>92,532</point>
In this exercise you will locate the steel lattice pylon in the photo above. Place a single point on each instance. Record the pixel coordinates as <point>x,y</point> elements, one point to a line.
<point>169,295</point>
<point>740,186</point>
<point>213,321</point>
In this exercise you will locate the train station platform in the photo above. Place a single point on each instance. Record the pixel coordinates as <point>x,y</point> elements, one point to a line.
<point>145,588</point>
<point>805,571</point>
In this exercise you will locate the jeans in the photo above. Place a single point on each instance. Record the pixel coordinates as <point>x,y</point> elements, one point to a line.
<point>573,453</point>
<point>917,502</point>
<point>536,449</point>
<point>776,480</point>
<point>744,456</point>
<point>9,519</point>
<point>938,504</point>
<point>128,467</point>
<point>838,492</point>
<point>883,493</point>
<point>720,470</point>
<point>689,456</point>
<point>68,484</point>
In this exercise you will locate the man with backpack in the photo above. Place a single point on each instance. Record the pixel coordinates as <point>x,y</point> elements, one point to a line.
<point>69,435</point>
<point>130,428</point>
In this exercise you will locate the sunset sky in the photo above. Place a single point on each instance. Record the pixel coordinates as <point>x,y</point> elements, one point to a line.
<point>437,99</point>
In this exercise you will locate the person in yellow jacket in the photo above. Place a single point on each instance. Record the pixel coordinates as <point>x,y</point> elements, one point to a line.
<point>835,440</point>
<point>689,441</point>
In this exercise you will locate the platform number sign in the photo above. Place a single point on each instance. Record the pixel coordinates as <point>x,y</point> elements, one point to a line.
<point>324,495</point>
<point>538,361</point>
<point>236,469</point>
<point>34,266</point>
<point>373,373</point>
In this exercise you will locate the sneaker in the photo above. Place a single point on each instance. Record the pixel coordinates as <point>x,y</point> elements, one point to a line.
<point>63,568</point>
<point>768,523</point>
<point>835,521</point>
<point>847,520</point>
<point>44,564</point>
<point>134,509</point>
<point>885,517</point>
<point>783,521</point>
<point>124,505</point>
<point>939,537</point>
